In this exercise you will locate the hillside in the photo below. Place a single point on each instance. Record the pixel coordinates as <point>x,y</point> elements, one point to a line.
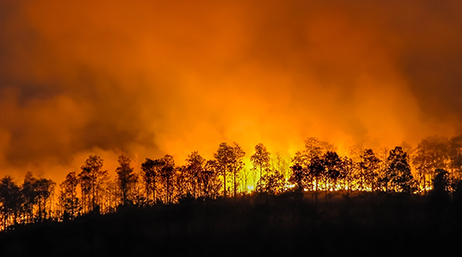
<point>289,224</point>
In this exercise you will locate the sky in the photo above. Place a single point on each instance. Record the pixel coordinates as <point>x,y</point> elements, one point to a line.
<point>149,78</point>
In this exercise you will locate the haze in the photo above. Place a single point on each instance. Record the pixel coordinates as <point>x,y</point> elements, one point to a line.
<point>148,78</point>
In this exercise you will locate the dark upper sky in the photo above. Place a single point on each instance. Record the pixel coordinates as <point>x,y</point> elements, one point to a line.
<point>153,77</point>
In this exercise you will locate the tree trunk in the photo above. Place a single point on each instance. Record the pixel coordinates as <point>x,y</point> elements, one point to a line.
<point>224,181</point>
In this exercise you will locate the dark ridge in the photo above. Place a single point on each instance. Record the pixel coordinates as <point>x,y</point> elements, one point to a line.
<point>286,225</point>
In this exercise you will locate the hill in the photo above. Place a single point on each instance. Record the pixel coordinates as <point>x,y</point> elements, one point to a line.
<point>288,224</point>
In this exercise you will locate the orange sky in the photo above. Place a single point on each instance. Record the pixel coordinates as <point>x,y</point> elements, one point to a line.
<point>147,78</point>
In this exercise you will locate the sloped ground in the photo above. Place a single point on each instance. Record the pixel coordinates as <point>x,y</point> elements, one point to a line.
<point>290,224</point>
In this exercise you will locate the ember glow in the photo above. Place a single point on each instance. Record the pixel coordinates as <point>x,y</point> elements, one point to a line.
<point>150,78</point>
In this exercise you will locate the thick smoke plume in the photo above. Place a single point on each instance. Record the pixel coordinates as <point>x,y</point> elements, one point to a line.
<point>146,78</point>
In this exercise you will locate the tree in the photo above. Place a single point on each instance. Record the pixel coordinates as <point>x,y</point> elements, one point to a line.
<point>229,160</point>
<point>260,160</point>
<point>441,182</point>
<point>398,174</point>
<point>333,167</point>
<point>280,164</point>
<point>347,172</point>
<point>167,170</point>
<point>237,164</point>
<point>439,196</point>
<point>316,170</point>
<point>150,171</point>
<point>271,183</point>
<point>30,196</point>
<point>91,180</point>
<point>314,148</point>
<point>11,200</point>
<point>126,178</point>
<point>455,157</point>
<point>368,170</point>
<point>297,176</point>
<point>44,189</point>
<point>209,180</point>
<point>194,167</point>
<point>432,153</point>
<point>68,195</point>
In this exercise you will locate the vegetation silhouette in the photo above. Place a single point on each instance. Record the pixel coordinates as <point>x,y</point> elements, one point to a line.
<point>370,202</point>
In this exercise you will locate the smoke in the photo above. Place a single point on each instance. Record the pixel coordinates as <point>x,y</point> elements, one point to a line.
<point>148,78</point>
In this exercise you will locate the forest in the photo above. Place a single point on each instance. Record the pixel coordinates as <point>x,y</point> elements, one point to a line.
<point>399,200</point>
<point>435,163</point>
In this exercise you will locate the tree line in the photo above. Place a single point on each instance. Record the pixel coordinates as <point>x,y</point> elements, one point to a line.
<point>435,162</point>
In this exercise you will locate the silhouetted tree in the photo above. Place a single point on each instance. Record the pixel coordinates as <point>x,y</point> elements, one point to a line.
<point>166,174</point>
<point>44,188</point>
<point>398,174</point>
<point>11,200</point>
<point>260,160</point>
<point>316,170</point>
<point>271,183</point>
<point>441,183</point>
<point>194,169</point>
<point>368,170</point>
<point>229,160</point>
<point>91,180</point>
<point>432,153</point>
<point>150,170</point>
<point>347,172</point>
<point>314,148</point>
<point>209,179</point>
<point>126,178</point>
<point>333,166</point>
<point>36,193</point>
<point>30,196</point>
<point>298,176</point>
<point>68,195</point>
<point>237,164</point>
<point>455,157</point>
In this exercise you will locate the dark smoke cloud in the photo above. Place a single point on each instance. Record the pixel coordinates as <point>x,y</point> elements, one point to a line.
<point>148,78</point>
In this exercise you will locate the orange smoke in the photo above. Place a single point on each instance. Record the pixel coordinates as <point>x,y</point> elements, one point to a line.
<point>153,77</point>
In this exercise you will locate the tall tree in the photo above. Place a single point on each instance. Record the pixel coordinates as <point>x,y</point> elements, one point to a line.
<point>316,170</point>
<point>209,180</point>
<point>313,148</point>
<point>224,157</point>
<point>229,160</point>
<point>68,195</point>
<point>398,174</point>
<point>166,173</point>
<point>368,170</point>
<point>333,166</point>
<point>347,172</point>
<point>297,177</point>
<point>126,178</point>
<point>150,171</point>
<point>260,160</point>
<point>432,153</point>
<point>11,200</point>
<point>194,167</point>
<point>30,196</point>
<point>237,164</point>
<point>44,188</point>
<point>92,179</point>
